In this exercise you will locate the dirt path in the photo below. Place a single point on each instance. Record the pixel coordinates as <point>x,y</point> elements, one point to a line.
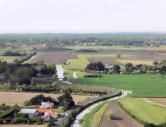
<point>120,118</point>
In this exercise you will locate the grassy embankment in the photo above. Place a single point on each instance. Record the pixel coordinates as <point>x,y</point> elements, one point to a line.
<point>143,111</point>
<point>93,118</point>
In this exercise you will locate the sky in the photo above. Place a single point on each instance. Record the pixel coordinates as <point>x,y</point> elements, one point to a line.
<point>82,16</point>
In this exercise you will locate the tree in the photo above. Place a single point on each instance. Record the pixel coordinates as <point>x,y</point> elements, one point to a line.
<point>23,75</point>
<point>162,69</point>
<point>66,101</point>
<point>116,69</point>
<point>33,82</point>
<point>155,62</point>
<point>98,66</point>
<point>129,68</point>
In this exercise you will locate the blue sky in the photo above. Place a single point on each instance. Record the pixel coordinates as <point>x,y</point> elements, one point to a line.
<point>82,16</point>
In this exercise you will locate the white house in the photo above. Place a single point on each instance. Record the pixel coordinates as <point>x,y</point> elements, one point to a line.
<point>47,105</point>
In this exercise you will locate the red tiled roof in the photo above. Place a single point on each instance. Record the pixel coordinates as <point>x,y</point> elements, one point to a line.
<point>45,110</point>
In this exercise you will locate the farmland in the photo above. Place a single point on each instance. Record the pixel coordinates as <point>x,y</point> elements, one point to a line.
<point>144,111</point>
<point>115,117</point>
<point>58,58</point>
<point>141,85</point>
<point>13,98</point>
<point>92,119</point>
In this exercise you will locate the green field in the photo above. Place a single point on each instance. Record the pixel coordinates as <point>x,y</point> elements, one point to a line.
<point>78,65</point>
<point>141,85</point>
<point>93,118</point>
<point>144,111</point>
<point>10,59</point>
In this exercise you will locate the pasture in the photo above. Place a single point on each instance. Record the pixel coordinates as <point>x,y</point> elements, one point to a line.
<point>144,111</point>
<point>141,85</point>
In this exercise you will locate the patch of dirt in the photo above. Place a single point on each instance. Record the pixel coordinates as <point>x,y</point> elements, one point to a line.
<point>12,98</point>
<point>105,60</point>
<point>58,58</point>
<point>119,119</point>
<point>158,101</point>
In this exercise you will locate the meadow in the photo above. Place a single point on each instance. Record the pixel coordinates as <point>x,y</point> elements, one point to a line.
<point>144,111</point>
<point>141,85</point>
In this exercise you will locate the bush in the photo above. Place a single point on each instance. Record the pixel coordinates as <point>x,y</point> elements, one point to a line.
<point>40,98</point>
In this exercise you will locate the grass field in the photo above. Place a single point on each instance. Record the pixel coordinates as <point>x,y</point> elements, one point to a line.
<point>143,85</point>
<point>10,59</point>
<point>93,118</point>
<point>143,110</point>
<point>82,61</point>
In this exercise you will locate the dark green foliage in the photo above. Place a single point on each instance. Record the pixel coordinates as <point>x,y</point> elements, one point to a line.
<point>127,39</point>
<point>129,68</point>
<point>40,98</point>
<point>12,53</point>
<point>66,101</point>
<point>116,69</point>
<point>23,73</point>
<point>98,66</point>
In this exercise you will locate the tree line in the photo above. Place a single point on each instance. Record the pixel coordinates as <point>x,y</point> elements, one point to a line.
<point>125,39</point>
<point>128,68</point>
<point>24,73</point>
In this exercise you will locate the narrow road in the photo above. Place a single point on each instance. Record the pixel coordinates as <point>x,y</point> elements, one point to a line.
<point>60,72</point>
<point>119,119</point>
<point>80,116</point>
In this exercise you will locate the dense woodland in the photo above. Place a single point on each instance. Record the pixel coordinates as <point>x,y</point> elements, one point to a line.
<point>125,39</point>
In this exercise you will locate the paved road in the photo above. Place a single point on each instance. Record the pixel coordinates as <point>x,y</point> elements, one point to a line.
<point>87,110</point>
<point>120,119</point>
<point>60,72</point>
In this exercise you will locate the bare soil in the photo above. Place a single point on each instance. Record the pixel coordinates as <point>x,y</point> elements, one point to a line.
<point>119,119</point>
<point>58,58</point>
<point>158,100</point>
<point>105,60</point>
<point>12,98</point>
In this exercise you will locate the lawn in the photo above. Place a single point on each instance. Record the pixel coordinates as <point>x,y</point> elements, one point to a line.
<point>143,110</point>
<point>142,85</point>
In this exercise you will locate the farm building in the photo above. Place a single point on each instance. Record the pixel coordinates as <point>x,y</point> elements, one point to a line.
<point>48,114</point>
<point>30,112</point>
<point>47,105</point>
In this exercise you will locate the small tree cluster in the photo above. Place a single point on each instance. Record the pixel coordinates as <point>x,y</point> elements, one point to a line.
<point>97,66</point>
<point>66,101</point>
